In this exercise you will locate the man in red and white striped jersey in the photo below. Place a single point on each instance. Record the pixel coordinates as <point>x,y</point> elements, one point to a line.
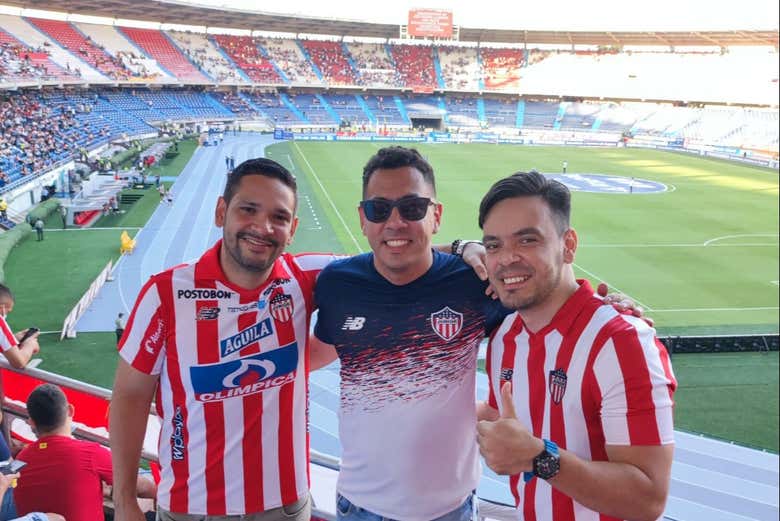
<point>580,406</point>
<point>223,342</point>
<point>18,354</point>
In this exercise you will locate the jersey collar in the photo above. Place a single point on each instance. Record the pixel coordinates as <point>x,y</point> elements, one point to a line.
<point>210,268</point>
<point>564,318</point>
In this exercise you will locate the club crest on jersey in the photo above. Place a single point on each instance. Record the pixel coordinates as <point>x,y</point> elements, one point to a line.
<point>244,376</point>
<point>245,337</point>
<point>282,307</point>
<point>557,385</point>
<point>447,323</point>
<point>208,313</point>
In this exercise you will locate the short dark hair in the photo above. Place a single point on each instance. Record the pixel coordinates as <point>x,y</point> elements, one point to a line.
<point>5,292</point>
<point>398,157</point>
<point>530,184</point>
<point>258,166</point>
<point>47,407</point>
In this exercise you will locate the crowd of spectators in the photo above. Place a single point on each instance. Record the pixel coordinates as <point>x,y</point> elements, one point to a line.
<point>244,52</point>
<point>415,64</point>
<point>330,59</point>
<point>34,135</point>
<point>20,62</point>
<point>289,58</point>
<point>374,65</point>
<point>459,67</point>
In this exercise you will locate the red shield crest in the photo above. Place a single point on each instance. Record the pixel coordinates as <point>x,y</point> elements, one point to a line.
<point>557,385</point>
<point>447,323</point>
<point>281,307</point>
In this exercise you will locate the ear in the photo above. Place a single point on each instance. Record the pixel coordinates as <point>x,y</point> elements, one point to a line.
<point>293,227</point>
<point>219,213</point>
<point>569,245</point>
<point>438,209</point>
<point>71,410</point>
<point>363,221</point>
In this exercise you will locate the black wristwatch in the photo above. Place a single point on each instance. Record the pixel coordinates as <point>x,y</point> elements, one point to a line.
<point>547,464</point>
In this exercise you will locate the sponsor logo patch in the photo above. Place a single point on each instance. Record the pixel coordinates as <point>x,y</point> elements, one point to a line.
<point>353,324</point>
<point>245,337</point>
<point>447,323</point>
<point>153,342</point>
<point>245,376</point>
<point>177,438</point>
<point>506,373</point>
<point>208,313</point>
<point>205,294</point>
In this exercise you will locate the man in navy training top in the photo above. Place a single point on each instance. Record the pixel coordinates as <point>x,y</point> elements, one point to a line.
<point>406,325</point>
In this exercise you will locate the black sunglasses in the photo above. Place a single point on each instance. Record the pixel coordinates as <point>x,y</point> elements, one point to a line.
<point>411,208</point>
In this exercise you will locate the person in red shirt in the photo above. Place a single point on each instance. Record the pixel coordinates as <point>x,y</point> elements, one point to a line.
<point>62,474</point>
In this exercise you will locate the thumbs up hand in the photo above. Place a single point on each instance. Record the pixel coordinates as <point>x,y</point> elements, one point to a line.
<point>507,446</point>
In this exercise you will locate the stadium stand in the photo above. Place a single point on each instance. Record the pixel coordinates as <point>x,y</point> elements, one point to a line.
<point>158,46</point>
<point>330,59</point>
<point>82,46</point>
<point>287,56</point>
<point>462,111</point>
<point>201,51</point>
<point>349,108</point>
<point>18,62</point>
<point>22,30</point>
<point>244,52</point>
<point>116,44</point>
<point>501,67</point>
<point>374,65</point>
<point>460,67</point>
<point>415,65</point>
<point>274,107</point>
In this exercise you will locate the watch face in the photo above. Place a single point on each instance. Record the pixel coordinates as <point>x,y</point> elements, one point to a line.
<point>546,465</point>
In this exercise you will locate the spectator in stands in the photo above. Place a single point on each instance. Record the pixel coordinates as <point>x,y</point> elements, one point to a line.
<point>6,484</point>
<point>70,471</point>
<point>17,353</point>
<point>600,438</point>
<point>3,208</point>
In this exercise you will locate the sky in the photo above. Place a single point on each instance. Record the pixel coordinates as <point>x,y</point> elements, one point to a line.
<point>581,15</point>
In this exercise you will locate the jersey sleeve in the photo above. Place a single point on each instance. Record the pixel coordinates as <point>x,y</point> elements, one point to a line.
<point>325,286</point>
<point>143,343</point>
<point>311,264</point>
<point>637,385</point>
<point>7,338</point>
<point>101,462</point>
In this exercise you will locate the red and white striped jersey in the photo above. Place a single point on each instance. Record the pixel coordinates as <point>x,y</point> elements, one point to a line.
<point>232,394</point>
<point>592,377</point>
<point>7,338</point>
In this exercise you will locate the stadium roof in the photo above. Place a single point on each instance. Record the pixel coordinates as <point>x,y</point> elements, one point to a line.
<point>182,13</point>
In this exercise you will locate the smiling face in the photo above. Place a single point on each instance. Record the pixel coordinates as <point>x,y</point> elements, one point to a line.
<point>528,259</point>
<point>402,248</point>
<point>258,223</point>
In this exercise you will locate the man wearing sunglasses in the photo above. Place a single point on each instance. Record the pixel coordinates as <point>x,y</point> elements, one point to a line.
<point>406,325</point>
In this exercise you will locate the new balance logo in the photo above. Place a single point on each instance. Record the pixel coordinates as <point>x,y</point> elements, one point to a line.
<point>353,323</point>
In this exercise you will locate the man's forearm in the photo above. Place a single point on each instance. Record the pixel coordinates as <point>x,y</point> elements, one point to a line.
<point>127,422</point>
<point>617,489</point>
